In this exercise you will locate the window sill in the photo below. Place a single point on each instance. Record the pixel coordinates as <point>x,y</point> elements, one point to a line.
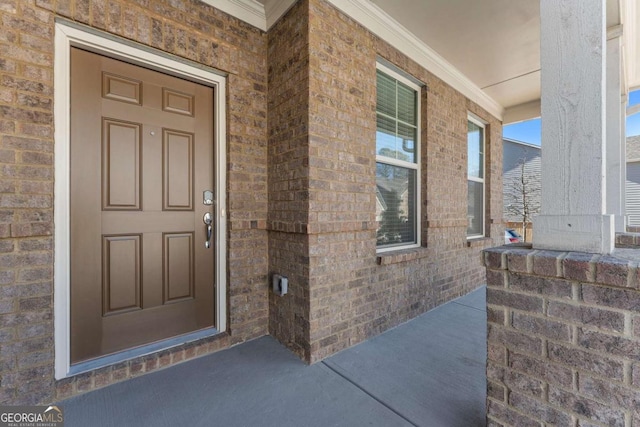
<point>403,255</point>
<point>478,242</point>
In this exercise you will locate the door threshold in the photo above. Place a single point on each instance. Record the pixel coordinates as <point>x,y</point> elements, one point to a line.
<point>132,353</point>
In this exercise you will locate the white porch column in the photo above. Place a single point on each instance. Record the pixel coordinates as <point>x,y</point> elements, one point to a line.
<point>623,155</point>
<point>615,139</point>
<point>573,60</point>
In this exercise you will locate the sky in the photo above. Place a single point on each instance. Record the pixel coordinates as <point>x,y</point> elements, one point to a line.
<point>530,130</point>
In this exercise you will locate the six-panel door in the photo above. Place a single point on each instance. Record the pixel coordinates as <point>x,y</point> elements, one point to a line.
<point>141,159</point>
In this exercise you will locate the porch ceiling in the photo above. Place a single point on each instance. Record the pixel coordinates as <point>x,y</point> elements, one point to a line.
<point>492,47</point>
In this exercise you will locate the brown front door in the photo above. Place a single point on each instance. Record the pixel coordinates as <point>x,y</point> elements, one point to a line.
<point>141,160</point>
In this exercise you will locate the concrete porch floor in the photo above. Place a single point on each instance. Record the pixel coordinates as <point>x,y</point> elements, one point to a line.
<point>427,372</point>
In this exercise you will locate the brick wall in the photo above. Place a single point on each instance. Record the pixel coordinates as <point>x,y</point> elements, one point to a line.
<point>355,294</point>
<point>288,217</point>
<point>187,29</point>
<point>322,188</point>
<point>342,182</point>
<point>563,338</point>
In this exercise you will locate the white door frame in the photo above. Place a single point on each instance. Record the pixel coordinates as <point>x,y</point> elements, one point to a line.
<point>67,35</point>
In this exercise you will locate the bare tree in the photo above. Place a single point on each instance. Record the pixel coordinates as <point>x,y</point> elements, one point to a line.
<point>523,194</point>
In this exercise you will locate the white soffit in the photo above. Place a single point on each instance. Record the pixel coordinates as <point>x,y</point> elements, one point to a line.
<point>250,11</point>
<point>274,9</point>
<point>261,14</point>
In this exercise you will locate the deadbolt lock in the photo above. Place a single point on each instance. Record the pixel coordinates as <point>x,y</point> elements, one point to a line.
<point>207,197</point>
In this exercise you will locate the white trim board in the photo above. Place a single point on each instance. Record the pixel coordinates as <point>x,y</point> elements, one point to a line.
<point>261,15</point>
<point>69,35</point>
<point>250,11</point>
<point>482,124</point>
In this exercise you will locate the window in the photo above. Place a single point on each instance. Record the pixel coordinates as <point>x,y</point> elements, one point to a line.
<point>397,161</point>
<point>475,178</point>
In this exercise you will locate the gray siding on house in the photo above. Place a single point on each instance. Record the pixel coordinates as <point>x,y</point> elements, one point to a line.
<point>632,190</point>
<point>514,153</point>
<point>633,194</point>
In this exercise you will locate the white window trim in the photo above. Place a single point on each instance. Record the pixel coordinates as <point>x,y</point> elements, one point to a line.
<point>417,166</point>
<point>483,125</point>
<point>67,35</point>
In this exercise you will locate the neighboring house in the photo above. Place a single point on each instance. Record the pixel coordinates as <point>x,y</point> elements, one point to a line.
<point>393,206</point>
<point>521,184</point>
<point>632,190</point>
<point>189,156</point>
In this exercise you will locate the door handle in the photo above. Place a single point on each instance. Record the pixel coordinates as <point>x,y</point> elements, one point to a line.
<point>208,220</point>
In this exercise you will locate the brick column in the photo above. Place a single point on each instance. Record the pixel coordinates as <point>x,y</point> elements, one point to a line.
<point>563,337</point>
